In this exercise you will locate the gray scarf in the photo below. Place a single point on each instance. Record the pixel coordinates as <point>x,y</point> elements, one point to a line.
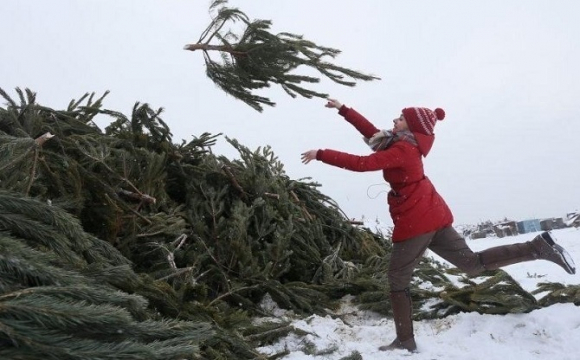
<point>385,138</point>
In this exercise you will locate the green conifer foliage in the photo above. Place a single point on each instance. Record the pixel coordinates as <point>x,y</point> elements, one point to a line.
<point>256,58</point>
<point>122,243</point>
<point>54,304</point>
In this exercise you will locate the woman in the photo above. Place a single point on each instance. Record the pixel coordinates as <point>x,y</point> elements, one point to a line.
<point>420,216</point>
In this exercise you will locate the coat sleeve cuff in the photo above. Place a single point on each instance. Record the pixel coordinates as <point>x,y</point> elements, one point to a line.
<point>343,110</point>
<point>319,154</point>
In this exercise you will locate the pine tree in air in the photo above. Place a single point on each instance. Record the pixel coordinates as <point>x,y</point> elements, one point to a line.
<point>256,58</point>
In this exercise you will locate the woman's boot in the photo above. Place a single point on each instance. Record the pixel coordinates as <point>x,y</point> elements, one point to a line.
<point>541,247</point>
<point>402,315</point>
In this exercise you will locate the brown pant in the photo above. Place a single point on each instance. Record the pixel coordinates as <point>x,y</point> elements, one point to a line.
<point>446,243</point>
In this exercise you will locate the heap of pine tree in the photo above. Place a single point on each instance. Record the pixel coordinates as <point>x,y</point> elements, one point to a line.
<point>121,243</point>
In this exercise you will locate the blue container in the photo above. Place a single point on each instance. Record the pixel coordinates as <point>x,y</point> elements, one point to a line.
<point>527,226</point>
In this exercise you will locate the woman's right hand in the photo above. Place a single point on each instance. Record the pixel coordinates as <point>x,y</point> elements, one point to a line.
<point>333,103</point>
<point>308,156</point>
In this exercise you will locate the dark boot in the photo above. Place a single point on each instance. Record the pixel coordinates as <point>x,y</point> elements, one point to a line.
<point>541,247</point>
<point>402,315</point>
<point>547,249</point>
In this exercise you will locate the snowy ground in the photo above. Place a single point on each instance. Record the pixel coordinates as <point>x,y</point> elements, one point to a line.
<point>548,333</point>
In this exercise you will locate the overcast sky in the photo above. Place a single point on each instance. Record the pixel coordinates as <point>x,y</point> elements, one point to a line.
<point>506,72</point>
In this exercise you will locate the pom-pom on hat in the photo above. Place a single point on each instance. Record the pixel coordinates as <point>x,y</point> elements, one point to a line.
<point>422,120</point>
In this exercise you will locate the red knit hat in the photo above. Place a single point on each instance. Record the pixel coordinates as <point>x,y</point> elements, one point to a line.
<point>422,120</point>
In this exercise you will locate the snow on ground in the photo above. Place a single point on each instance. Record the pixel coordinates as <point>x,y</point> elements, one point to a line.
<point>548,333</point>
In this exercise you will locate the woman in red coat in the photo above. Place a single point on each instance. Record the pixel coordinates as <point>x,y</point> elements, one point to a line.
<point>420,216</point>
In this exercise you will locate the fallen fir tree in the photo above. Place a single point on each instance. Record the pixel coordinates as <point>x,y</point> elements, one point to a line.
<point>121,243</point>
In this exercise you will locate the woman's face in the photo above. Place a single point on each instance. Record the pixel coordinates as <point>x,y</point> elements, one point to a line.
<point>400,124</point>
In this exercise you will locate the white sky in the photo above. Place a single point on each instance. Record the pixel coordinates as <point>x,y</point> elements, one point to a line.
<point>506,73</point>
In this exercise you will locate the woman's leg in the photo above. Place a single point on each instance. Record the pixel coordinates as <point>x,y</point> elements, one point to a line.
<point>404,258</point>
<point>542,247</point>
<point>451,246</point>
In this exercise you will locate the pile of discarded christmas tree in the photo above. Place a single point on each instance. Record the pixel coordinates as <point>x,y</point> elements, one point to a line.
<point>121,243</point>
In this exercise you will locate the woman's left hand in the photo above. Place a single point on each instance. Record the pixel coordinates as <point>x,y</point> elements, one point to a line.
<point>308,156</point>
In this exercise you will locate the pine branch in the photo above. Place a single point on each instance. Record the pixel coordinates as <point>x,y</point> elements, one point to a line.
<point>257,58</point>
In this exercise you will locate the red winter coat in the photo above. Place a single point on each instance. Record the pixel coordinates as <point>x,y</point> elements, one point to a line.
<point>415,206</point>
